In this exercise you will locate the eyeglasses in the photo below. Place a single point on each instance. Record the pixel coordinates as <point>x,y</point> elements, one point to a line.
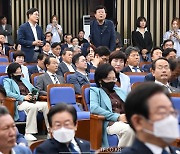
<point>164,114</point>
<point>161,67</point>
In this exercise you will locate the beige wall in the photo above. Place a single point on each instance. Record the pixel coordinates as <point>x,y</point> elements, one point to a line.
<point>159,14</point>
<point>70,13</point>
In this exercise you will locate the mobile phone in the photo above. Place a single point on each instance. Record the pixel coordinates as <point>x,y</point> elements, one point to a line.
<point>34,92</point>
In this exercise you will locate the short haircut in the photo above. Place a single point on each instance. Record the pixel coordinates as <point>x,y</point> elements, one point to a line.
<point>47,60</point>
<point>31,11</point>
<point>3,111</point>
<point>62,107</point>
<point>67,49</point>
<point>117,55</point>
<point>48,33</point>
<point>131,49</point>
<point>154,62</point>
<point>102,72</point>
<point>3,16</point>
<point>102,51</point>
<point>54,16</point>
<point>18,53</point>
<point>3,91</point>
<point>81,31</point>
<point>41,56</point>
<point>12,69</point>
<point>138,104</point>
<point>100,7</point>
<point>47,42</point>
<point>168,40</point>
<point>73,39</point>
<point>139,19</point>
<point>155,48</point>
<point>76,57</point>
<point>167,51</point>
<point>55,44</point>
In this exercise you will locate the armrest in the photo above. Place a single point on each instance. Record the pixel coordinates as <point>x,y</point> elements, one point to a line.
<point>9,103</point>
<point>96,128</point>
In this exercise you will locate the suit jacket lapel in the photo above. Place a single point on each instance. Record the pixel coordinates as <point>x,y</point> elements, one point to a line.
<point>82,76</point>
<point>48,78</point>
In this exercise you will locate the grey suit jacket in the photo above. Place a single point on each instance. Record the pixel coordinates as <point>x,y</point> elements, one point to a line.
<point>7,32</point>
<point>62,68</point>
<point>42,82</point>
<point>78,80</point>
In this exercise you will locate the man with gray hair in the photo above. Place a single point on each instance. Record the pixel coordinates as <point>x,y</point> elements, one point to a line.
<point>133,60</point>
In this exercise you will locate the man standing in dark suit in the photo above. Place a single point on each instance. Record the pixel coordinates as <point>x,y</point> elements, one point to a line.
<point>80,77</point>
<point>63,124</point>
<point>6,30</point>
<point>150,112</point>
<point>133,60</point>
<point>49,77</point>
<point>30,36</point>
<point>39,68</point>
<point>66,64</point>
<point>102,30</point>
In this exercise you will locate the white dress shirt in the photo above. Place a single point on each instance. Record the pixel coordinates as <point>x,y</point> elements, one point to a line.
<point>33,27</point>
<point>167,85</point>
<point>71,69</point>
<point>131,67</point>
<point>76,147</point>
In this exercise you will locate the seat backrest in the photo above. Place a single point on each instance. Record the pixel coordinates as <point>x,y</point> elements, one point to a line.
<point>136,76</point>
<point>67,76</point>
<point>30,65</point>
<point>34,145</point>
<point>4,59</point>
<point>3,68</point>
<point>85,91</point>
<point>91,76</point>
<point>34,77</point>
<point>176,102</point>
<point>61,93</point>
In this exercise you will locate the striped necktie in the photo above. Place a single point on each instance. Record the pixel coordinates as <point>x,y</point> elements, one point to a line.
<point>55,79</point>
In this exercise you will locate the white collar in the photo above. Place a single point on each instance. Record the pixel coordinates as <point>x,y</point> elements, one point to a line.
<point>156,149</point>
<point>67,63</point>
<point>145,30</point>
<point>133,66</point>
<point>32,24</point>
<point>160,83</point>
<point>50,74</point>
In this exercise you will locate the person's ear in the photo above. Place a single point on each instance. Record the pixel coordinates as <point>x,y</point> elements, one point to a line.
<point>137,122</point>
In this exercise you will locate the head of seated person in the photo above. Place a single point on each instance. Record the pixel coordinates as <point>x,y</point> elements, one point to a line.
<point>168,44</point>
<point>169,53</point>
<point>40,60</point>
<point>132,54</point>
<point>51,64</point>
<point>19,57</point>
<point>46,48</point>
<point>56,49</point>
<point>156,53</point>
<point>67,55</point>
<point>151,115</point>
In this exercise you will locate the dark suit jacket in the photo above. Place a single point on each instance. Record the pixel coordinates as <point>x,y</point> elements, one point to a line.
<point>103,37</point>
<point>26,38</point>
<point>62,68</point>
<point>140,42</point>
<point>51,146</point>
<point>42,82</point>
<point>7,32</point>
<point>139,147</point>
<point>149,77</point>
<point>64,46</point>
<point>78,80</point>
<point>127,69</point>
<point>147,67</point>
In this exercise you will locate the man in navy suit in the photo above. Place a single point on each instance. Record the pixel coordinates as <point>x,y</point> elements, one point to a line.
<point>133,60</point>
<point>39,68</point>
<point>63,124</point>
<point>30,36</point>
<point>8,134</point>
<point>80,77</point>
<point>150,112</point>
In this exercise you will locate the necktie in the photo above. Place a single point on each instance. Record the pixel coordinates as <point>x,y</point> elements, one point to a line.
<point>164,152</point>
<point>72,149</point>
<point>55,79</point>
<point>135,68</point>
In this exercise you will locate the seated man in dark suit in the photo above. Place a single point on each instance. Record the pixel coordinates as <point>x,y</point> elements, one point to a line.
<point>63,124</point>
<point>133,60</point>
<point>39,68</point>
<point>49,77</point>
<point>5,47</point>
<point>66,65</point>
<point>68,43</point>
<point>8,134</point>
<point>80,77</point>
<point>155,54</point>
<point>154,120</point>
<point>55,51</point>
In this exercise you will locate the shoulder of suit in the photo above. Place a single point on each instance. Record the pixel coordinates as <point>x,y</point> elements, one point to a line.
<point>82,141</point>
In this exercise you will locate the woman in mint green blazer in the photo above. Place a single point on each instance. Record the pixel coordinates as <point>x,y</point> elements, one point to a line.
<point>107,100</point>
<point>21,89</point>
